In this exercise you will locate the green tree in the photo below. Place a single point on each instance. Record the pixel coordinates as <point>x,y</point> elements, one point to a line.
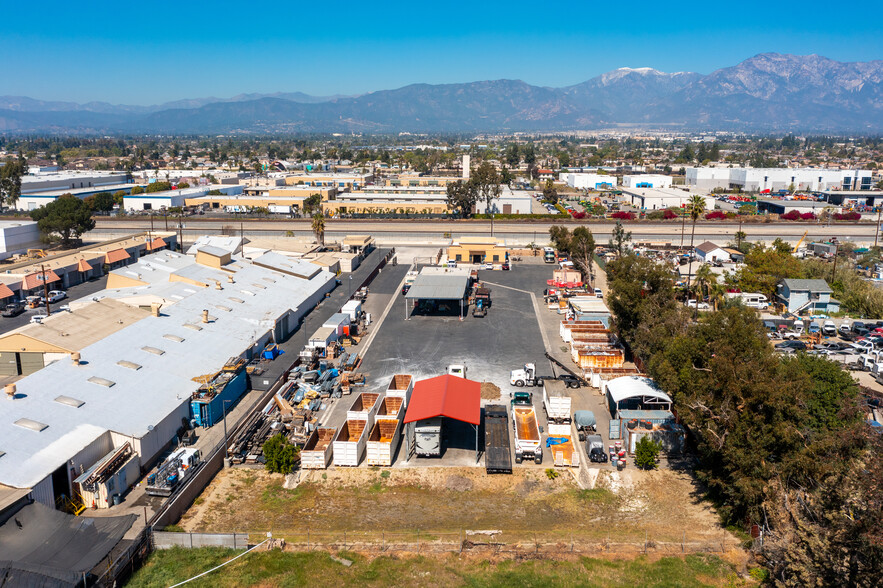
<point>101,202</point>
<point>488,184</point>
<point>461,197</point>
<point>157,187</point>
<point>695,208</point>
<point>512,155</point>
<point>312,202</point>
<point>318,226</point>
<point>280,453</point>
<point>10,181</point>
<point>118,197</point>
<point>550,194</point>
<point>646,452</point>
<point>582,251</point>
<point>67,217</point>
<point>619,238</point>
<point>137,190</point>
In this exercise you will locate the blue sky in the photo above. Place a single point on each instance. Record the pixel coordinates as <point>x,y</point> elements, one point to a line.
<point>146,53</point>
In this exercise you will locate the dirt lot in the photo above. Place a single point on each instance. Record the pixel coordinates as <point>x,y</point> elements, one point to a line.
<point>626,506</point>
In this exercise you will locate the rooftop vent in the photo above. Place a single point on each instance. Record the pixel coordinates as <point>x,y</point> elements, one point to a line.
<point>237,300</point>
<point>174,338</point>
<point>101,381</point>
<point>153,350</point>
<point>192,326</point>
<point>129,364</point>
<point>32,425</point>
<point>259,286</point>
<point>271,280</point>
<point>69,401</point>
<point>2,453</point>
<point>247,292</point>
<point>222,307</point>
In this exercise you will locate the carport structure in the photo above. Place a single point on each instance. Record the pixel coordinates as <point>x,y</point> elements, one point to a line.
<point>443,396</point>
<point>635,393</point>
<point>452,288</point>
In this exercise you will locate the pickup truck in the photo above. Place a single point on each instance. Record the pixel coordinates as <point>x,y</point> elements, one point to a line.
<point>528,443</point>
<point>595,449</point>
<point>13,309</point>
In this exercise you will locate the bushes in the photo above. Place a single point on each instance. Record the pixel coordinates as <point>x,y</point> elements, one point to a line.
<point>795,215</point>
<point>622,215</point>
<point>716,215</point>
<point>669,214</point>
<point>846,216</point>
<point>646,452</point>
<point>578,215</point>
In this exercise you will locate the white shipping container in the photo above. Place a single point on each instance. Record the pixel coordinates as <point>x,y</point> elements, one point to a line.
<point>280,209</point>
<point>556,401</point>
<point>352,308</point>
<point>384,438</point>
<point>566,454</point>
<point>364,407</point>
<point>401,386</point>
<point>349,445</point>
<point>316,454</point>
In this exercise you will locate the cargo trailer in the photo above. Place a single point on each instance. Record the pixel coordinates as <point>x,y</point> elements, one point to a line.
<point>401,386</point>
<point>497,453</point>
<point>352,308</point>
<point>316,454</point>
<point>427,436</point>
<point>556,401</point>
<point>386,432</point>
<point>349,445</point>
<point>563,446</point>
<point>527,430</point>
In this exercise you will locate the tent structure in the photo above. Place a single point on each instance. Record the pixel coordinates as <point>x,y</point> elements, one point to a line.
<point>438,288</point>
<point>444,396</point>
<point>635,392</point>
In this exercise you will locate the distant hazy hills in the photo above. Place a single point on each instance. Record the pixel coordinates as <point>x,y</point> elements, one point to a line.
<point>769,92</point>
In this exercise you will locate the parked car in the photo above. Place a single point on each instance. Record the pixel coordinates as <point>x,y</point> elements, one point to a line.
<point>57,296</point>
<point>599,293</point>
<point>14,308</point>
<point>845,328</point>
<point>791,345</point>
<point>34,301</point>
<point>37,319</point>
<point>506,266</point>
<point>795,333</point>
<point>697,305</point>
<point>405,289</point>
<point>829,329</point>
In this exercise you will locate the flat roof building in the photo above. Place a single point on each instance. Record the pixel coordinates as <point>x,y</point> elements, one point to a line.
<point>659,198</point>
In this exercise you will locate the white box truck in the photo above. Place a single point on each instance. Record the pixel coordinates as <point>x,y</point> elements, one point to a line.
<point>428,435</point>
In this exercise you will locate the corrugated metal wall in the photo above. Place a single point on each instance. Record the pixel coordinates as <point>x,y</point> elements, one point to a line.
<point>153,442</point>
<point>43,493</point>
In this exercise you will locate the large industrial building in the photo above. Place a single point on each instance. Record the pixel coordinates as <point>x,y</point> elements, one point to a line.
<point>659,198</point>
<point>646,181</point>
<point>41,188</point>
<point>175,198</point>
<point>165,324</point>
<point>774,179</point>
<point>584,181</point>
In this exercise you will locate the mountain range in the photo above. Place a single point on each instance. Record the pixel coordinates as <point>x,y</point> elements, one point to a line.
<point>769,92</point>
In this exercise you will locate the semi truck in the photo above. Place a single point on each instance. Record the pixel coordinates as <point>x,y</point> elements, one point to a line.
<point>526,376</point>
<point>556,402</point>
<point>497,455</point>
<point>174,471</point>
<point>527,429</point>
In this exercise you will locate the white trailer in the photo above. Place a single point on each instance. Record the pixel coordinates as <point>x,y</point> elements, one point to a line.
<point>316,454</point>
<point>280,208</point>
<point>556,401</point>
<point>352,308</point>
<point>349,445</point>
<point>528,442</point>
<point>564,454</point>
<point>384,437</point>
<point>401,386</point>
<point>364,407</point>
<point>427,437</point>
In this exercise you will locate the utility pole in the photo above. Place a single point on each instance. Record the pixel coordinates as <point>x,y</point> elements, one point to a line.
<point>877,228</point>
<point>739,234</point>
<point>683,228</point>
<point>181,232</point>
<point>834,271</point>
<point>45,290</point>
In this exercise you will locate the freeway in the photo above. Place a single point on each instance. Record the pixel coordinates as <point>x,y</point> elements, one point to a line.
<point>522,232</point>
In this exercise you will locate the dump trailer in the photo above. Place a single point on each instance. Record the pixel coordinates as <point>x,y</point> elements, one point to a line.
<point>316,454</point>
<point>174,471</point>
<point>497,454</point>
<point>401,386</point>
<point>349,445</point>
<point>563,445</point>
<point>385,434</point>
<point>527,429</point>
<point>556,401</point>
<point>365,407</point>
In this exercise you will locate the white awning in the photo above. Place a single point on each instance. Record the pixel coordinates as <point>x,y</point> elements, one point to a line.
<point>634,387</point>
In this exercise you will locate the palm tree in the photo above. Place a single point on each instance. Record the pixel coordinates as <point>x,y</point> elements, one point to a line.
<point>705,277</point>
<point>319,228</point>
<point>716,293</point>
<point>695,208</point>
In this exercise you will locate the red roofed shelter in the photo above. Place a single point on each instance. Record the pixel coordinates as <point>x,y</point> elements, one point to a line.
<point>443,396</point>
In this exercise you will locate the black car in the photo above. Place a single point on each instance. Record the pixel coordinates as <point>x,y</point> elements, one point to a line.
<point>569,380</point>
<point>405,289</point>
<point>13,309</point>
<point>795,345</point>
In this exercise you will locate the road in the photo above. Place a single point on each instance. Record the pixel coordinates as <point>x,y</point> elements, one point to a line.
<point>73,293</point>
<point>392,232</point>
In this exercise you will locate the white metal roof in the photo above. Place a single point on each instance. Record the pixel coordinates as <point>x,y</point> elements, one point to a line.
<point>633,387</point>
<point>144,397</point>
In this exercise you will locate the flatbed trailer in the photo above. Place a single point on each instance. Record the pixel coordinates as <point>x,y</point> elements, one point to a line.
<point>497,453</point>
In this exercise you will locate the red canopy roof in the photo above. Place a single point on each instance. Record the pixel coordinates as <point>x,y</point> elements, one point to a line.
<point>448,396</point>
<point>35,280</point>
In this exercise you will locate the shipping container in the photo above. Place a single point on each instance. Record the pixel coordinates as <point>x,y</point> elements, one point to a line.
<point>365,407</point>
<point>316,454</point>
<point>218,394</point>
<point>401,386</point>
<point>384,438</point>
<point>352,308</point>
<point>564,454</point>
<point>340,322</point>
<point>349,445</point>
<point>556,401</point>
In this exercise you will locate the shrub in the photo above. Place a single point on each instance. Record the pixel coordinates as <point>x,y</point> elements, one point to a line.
<point>847,216</point>
<point>791,215</point>
<point>280,453</point>
<point>579,215</point>
<point>808,216</point>
<point>623,215</point>
<point>716,215</point>
<point>669,214</point>
<point>646,451</point>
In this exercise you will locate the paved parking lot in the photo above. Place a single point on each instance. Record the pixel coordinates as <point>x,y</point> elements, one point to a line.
<point>73,293</point>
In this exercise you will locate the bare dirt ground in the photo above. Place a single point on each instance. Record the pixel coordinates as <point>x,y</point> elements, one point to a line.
<point>627,506</point>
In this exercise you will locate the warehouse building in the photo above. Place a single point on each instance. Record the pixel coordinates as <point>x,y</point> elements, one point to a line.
<point>582,181</point>
<point>766,179</point>
<point>135,385</point>
<point>660,198</point>
<point>17,236</point>
<point>174,198</point>
<point>646,181</point>
<point>478,250</point>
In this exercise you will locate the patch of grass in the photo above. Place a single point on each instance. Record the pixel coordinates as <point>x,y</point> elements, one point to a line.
<point>174,529</point>
<point>384,474</point>
<point>551,473</point>
<point>199,500</point>
<point>274,568</point>
<point>275,497</point>
<point>596,495</point>
<point>375,488</point>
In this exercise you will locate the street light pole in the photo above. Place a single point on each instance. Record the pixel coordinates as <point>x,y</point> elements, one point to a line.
<point>877,228</point>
